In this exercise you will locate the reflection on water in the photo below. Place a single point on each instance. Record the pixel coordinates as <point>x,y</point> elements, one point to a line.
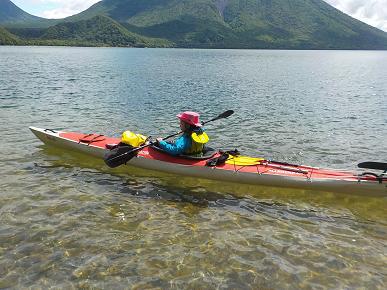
<point>68,221</point>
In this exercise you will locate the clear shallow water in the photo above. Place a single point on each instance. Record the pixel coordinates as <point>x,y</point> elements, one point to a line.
<point>68,221</point>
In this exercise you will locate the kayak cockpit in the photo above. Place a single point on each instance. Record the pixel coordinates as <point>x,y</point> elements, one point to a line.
<point>208,153</point>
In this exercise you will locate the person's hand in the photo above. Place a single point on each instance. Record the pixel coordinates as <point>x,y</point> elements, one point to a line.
<point>159,139</point>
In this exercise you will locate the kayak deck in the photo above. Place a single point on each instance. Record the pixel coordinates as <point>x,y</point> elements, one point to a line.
<point>264,168</point>
<point>264,173</point>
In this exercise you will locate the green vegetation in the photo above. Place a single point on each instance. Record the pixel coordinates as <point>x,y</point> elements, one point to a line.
<point>295,24</point>
<point>7,38</point>
<point>97,31</point>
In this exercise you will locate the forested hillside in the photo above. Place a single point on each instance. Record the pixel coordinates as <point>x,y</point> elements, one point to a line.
<point>6,38</point>
<point>296,24</point>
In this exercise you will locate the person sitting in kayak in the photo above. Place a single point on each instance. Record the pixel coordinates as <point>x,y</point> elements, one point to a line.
<point>193,139</point>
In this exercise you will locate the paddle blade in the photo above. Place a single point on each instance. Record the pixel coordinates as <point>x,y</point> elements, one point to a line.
<point>221,116</point>
<point>119,156</point>
<point>373,165</point>
<point>226,114</point>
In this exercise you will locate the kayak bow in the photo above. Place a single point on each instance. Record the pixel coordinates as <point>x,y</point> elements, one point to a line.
<point>262,172</point>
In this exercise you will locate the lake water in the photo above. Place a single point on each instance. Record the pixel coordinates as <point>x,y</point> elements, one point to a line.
<point>66,220</point>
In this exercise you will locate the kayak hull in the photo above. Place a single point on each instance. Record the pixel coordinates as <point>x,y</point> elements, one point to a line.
<point>267,174</point>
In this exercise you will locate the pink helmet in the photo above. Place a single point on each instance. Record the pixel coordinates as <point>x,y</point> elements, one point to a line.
<point>191,118</point>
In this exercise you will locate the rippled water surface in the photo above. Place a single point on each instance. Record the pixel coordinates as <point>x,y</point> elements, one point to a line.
<point>66,220</point>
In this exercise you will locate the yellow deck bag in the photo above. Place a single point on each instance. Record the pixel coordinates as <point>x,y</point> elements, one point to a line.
<point>244,160</point>
<point>133,139</point>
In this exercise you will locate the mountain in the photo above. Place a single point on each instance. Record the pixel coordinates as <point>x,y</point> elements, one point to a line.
<point>11,15</point>
<point>294,24</point>
<point>286,24</point>
<point>6,38</point>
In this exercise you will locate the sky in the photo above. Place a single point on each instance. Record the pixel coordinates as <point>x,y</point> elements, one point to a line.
<point>373,12</point>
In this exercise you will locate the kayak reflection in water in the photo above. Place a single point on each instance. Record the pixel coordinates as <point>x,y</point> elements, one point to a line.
<point>193,139</point>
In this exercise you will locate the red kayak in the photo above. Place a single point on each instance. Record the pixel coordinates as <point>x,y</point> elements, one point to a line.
<point>236,169</point>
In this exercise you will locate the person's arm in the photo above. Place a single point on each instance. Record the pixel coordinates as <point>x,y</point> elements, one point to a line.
<point>177,148</point>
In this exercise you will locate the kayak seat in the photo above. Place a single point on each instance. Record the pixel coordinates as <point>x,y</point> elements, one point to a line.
<point>208,153</point>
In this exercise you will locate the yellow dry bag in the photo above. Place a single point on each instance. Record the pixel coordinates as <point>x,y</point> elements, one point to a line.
<point>133,139</point>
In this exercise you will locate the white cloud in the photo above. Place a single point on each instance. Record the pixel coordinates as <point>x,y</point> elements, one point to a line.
<point>372,12</point>
<point>64,8</point>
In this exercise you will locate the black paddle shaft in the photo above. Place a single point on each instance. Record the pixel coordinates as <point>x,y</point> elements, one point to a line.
<point>115,160</point>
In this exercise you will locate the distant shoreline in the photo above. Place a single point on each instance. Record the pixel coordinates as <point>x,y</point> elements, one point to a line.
<point>197,48</point>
